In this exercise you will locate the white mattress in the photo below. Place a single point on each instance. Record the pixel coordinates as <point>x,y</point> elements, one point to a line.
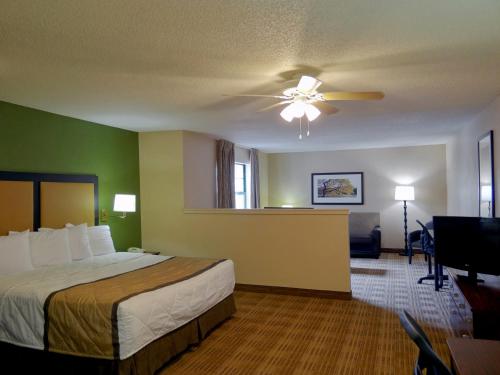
<point>141,319</point>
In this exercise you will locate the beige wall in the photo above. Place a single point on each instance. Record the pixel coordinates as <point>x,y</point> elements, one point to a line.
<point>264,181</point>
<point>269,247</point>
<point>199,170</point>
<point>462,163</point>
<point>162,188</point>
<point>294,249</point>
<point>199,152</point>
<point>422,166</point>
<point>200,162</point>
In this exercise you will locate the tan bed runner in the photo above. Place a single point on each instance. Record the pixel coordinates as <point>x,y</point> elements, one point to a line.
<point>82,320</point>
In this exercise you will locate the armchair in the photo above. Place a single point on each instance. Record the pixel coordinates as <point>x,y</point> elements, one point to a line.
<point>414,242</point>
<point>364,234</point>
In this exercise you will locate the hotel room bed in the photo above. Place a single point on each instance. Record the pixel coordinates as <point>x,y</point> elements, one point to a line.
<point>123,313</point>
<point>96,311</point>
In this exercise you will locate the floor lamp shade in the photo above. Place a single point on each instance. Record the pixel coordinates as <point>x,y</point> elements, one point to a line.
<point>404,193</point>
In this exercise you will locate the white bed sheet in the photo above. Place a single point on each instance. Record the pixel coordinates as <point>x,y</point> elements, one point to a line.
<point>141,319</point>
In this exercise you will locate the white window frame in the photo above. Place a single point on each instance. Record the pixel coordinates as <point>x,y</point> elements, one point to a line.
<point>246,185</point>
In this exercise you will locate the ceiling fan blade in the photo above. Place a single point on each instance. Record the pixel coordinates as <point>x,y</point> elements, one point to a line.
<point>308,84</point>
<point>261,96</point>
<point>325,108</point>
<point>275,105</point>
<point>344,95</point>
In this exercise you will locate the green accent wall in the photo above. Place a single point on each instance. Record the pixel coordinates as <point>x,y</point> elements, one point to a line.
<point>38,141</point>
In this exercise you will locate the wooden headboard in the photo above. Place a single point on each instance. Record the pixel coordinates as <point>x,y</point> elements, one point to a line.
<point>34,200</point>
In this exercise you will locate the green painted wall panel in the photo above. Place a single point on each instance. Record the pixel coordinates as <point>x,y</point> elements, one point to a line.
<point>37,141</point>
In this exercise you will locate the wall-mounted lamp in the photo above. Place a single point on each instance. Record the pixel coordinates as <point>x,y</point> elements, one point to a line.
<point>405,193</point>
<point>124,203</point>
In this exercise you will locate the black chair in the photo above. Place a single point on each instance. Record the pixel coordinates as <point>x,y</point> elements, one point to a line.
<point>414,242</point>
<point>428,248</point>
<point>427,359</point>
<point>427,244</point>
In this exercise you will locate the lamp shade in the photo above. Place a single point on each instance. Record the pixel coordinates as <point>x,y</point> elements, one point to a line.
<point>298,109</point>
<point>486,193</point>
<point>404,193</point>
<point>287,114</point>
<point>312,112</point>
<point>124,203</point>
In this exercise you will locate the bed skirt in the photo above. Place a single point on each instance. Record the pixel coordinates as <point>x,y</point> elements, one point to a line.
<point>145,362</point>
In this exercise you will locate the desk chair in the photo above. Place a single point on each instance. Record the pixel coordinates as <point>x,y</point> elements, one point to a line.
<point>427,245</point>
<point>414,242</point>
<point>428,248</point>
<point>427,359</point>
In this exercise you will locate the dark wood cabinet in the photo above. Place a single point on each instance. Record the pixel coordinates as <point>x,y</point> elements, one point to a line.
<point>475,308</point>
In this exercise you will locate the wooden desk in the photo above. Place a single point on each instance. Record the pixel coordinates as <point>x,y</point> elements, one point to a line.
<point>475,308</point>
<point>474,357</point>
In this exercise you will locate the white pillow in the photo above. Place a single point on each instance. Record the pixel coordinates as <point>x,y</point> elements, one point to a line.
<point>50,247</point>
<point>100,240</point>
<point>78,240</point>
<point>15,254</point>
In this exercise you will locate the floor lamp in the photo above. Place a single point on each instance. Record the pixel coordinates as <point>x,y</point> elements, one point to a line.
<point>405,193</point>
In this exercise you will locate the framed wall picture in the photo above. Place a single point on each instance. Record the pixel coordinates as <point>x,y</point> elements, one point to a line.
<point>337,188</point>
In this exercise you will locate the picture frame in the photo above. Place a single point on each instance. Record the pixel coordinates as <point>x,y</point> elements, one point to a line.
<point>337,188</point>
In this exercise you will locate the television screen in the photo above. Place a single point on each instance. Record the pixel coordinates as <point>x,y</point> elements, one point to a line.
<point>468,243</point>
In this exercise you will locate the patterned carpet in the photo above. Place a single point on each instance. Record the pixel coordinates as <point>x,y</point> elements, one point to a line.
<point>274,334</point>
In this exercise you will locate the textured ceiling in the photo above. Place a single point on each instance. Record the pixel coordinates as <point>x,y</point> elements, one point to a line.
<point>156,64</point>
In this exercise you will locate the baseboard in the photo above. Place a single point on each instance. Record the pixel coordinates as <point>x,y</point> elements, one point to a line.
<point>391,250</point>
<point>294,291</point>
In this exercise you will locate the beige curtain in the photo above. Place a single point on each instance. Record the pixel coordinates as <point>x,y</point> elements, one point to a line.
<point>255,182</point>
<point>225,174</point>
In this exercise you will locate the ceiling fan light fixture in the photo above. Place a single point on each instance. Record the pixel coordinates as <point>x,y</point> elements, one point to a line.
<point>312,112</point>
<point>288,113</point>
<point>298,108</point>
<point>305,100</point>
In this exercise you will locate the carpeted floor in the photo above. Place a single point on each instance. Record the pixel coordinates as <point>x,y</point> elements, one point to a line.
<point>274,334</point>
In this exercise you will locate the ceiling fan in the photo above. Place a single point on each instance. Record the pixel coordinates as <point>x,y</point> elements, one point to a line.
<point>306,100</point>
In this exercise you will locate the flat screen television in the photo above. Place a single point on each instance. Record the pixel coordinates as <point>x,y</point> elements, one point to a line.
<point>468,243</point>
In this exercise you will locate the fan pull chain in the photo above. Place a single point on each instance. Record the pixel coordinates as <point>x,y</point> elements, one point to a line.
<point>300,128</point>
<point>308,127</point>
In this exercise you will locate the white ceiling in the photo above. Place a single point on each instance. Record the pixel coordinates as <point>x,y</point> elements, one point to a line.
<point>156,64</point>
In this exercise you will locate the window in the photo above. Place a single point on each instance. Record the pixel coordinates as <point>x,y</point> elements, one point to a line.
<point>242,185</point>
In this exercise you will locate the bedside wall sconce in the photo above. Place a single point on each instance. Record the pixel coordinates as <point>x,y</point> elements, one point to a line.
<point>124,203</point>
